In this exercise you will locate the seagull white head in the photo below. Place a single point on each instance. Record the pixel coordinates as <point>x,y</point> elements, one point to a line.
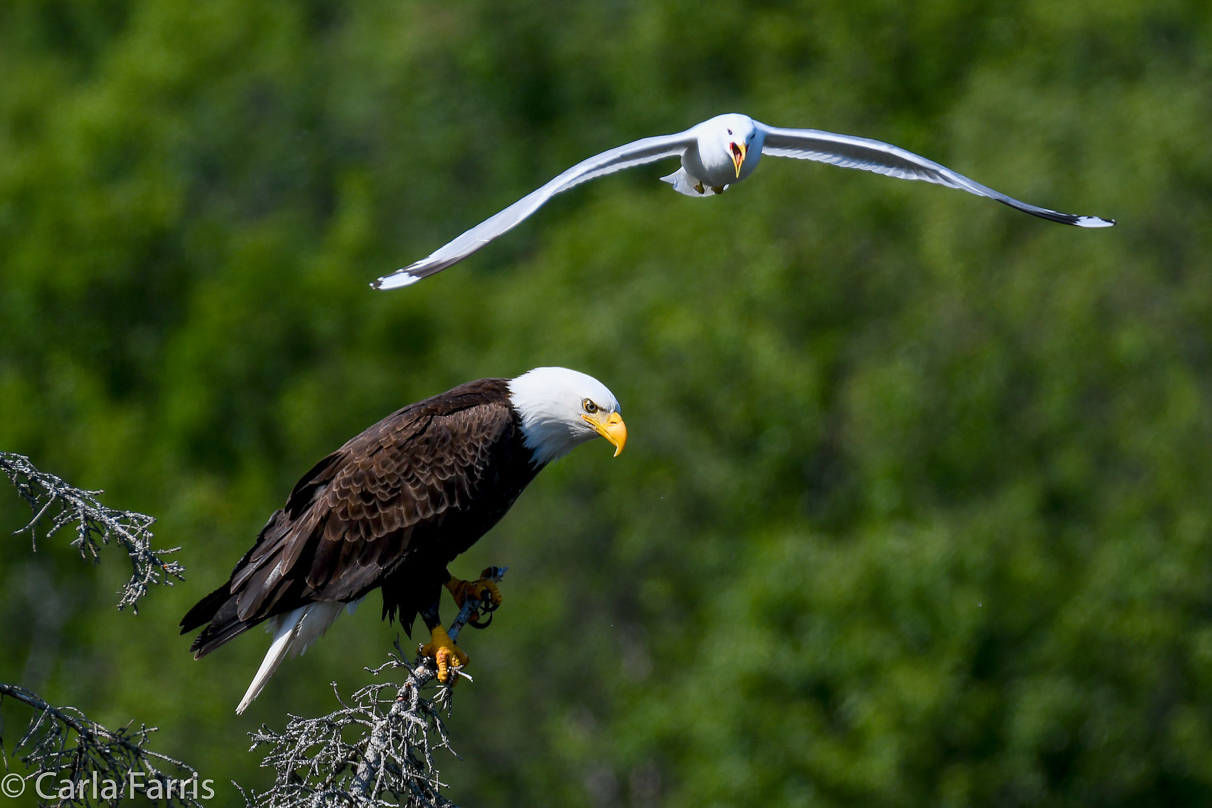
<point>726,143</point>
<point>561,409</point>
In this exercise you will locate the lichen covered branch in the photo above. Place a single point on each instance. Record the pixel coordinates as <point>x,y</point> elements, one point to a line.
<point>377,750</point>
<point>83,758</point>
<point>95,524</point>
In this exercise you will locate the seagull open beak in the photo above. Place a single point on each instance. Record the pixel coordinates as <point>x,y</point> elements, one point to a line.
<point>612,429</point>
<point>738,156</point>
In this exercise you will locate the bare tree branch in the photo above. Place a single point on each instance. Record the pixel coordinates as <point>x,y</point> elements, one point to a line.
<point>389,760</point>
<point>85,763</point>
<point>81,756</point>
<point>50,497</point>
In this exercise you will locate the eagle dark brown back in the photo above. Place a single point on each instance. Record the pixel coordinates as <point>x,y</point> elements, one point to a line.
<point>401,491</point>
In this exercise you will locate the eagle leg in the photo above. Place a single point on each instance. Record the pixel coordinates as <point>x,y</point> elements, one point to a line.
<point>484,590</point>
<point>441,648</point>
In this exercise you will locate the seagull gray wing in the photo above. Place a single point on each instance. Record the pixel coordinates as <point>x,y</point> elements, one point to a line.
<point>647,150</point>
<point>883,158</point>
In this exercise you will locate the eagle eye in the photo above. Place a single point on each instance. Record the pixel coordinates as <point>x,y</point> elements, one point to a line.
<point>589,406</point>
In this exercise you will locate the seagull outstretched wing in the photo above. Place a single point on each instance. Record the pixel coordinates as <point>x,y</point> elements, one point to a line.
<point>863,153</point>
<point>647,150</point>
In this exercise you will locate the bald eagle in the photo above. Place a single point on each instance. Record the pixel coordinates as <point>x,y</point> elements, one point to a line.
<point>395,505</point>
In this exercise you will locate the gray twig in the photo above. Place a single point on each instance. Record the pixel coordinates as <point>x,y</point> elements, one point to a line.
<point>95,525</point>
<point>376,750</point>
<point>84,759</point>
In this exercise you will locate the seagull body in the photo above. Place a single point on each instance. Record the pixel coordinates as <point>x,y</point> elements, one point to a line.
<point>715,154</point>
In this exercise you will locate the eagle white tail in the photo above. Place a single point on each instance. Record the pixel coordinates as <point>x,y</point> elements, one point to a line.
<point>293,633</point>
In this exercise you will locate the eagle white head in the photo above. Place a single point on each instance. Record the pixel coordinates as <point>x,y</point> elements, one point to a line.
<point>561,409</point>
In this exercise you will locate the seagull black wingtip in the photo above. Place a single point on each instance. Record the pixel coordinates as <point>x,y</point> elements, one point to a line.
<point>396,280</point>
<point>1093,222</point>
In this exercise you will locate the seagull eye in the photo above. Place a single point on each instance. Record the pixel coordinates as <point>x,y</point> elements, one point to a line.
<point>589,406</point>
<point>730,131</point>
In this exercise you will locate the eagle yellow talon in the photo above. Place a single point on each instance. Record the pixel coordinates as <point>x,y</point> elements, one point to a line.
<point>461,590</point>
<point>442,650</point>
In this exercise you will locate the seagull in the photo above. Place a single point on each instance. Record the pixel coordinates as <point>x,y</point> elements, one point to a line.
<point>716,154</point>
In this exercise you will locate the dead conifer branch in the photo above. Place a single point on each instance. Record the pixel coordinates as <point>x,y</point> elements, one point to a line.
<point>81,757</point>
<point>375,751</point>
<point>52,498</point>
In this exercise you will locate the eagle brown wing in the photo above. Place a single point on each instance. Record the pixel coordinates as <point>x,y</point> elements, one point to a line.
<point>393,505</point>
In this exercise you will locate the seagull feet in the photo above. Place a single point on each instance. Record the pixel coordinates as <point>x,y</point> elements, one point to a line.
<point>701,189</point>
<point>442,650</point>
<point>483,590</point>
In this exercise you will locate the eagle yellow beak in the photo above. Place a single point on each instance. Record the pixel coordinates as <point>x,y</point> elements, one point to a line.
<point>738,156</point>
<point>612,429</point>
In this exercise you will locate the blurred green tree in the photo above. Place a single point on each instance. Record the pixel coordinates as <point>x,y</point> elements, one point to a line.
<point>915,509</point>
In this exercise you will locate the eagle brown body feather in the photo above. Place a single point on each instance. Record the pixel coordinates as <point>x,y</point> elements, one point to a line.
<point>389,509</point>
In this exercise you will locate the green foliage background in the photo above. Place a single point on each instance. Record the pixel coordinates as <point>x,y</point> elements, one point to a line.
<point>916,505</point>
